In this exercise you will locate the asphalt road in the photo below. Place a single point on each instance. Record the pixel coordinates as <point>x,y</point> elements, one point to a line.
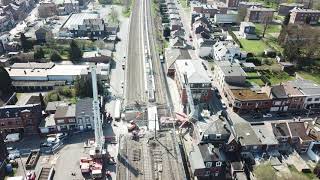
<point>135,88</point>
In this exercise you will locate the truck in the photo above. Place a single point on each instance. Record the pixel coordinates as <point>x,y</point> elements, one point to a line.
<point>117,110</point>
<point>32,159</point>
<point>12,137</point>
<point>46,173</point>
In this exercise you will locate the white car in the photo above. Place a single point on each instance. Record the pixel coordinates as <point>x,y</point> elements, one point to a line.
<point>268,115</point>
<point>224,106</point>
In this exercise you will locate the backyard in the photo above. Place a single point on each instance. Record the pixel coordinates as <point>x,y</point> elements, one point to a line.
<point>276,77</point>
<point>253,46</point>
<point>310,76</point>
<point>272,28</point>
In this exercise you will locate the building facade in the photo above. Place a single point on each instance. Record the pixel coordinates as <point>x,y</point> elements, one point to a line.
<point>259,15</point>
<point>304,16</point>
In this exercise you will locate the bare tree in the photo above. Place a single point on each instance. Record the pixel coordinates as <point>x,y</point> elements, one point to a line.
<point>266,22</point>
<point>242,12</point>
<point>114,16</point>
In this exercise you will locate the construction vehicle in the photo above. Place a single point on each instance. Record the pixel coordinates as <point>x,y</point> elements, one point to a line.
<point>32,159</point>
<point>98,151</point>
<point>46,173</point>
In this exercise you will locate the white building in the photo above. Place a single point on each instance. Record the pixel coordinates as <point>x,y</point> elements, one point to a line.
<point>311,91</point>
<point>84,114</point>
<point>227,51</point>
<point>227,72</point>
<point>314,151</point>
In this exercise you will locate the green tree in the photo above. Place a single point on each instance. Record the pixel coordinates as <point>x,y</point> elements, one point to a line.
<point>39,54</point>
<point>55,56</point>
<point>83,87</point>
<point>242,12</point>
<point>5,81</point>
<point>75,53</point>
<point>42,102</point>
<point>114,17</point>
<point>286,20</point>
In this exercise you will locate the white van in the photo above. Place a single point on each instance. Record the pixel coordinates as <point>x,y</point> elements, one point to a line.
<point>12,137</point>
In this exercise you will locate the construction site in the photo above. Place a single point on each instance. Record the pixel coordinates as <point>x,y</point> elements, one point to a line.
<point>149,156</point>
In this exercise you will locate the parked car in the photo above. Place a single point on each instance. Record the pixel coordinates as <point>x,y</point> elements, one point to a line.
<point>13,154</point>
<point>218,94</point>
<point>224,105</point>
<point>12,137</point>
<point>268,115</point>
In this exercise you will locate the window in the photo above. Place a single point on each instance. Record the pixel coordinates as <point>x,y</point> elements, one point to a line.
<point>60,121</point>
<point>218,136</point>
<point>2,124</point>
<point>316,99</point>
<point>72,120</point>
<point>309,99</point>
<point>207,173</point>
<point>218,164</point>
<point>208,164</point>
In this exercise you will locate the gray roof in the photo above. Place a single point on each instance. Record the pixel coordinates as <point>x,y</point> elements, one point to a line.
<point>248,65</point>
<point>280,129</point>
<point>233,71</point>
<point>279,91</point>
<point>217,126</point>
<point>32,65</point>
<point>246,134</point>
<point>307,87</point>
<point>211,153</point>
<point>194,70</point>
<point>84,107</point>
<point>52,106</point>
<point>171,55</point>
<point>265,133</point>
<point>65,111</point>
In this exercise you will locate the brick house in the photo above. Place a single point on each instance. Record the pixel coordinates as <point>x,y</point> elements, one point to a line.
<point>193,72</point>
<point>65,117</point>
<point>47,9</point>
<point>23,119</point>
<point>232,3</point>
<point>210,10</point>
<point>246,5</point>
<point>302,16</point>
<point>299,137</point>
<point>285,8</point>
<point>259,15</point>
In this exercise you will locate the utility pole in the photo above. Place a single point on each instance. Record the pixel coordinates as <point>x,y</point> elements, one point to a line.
<point>155,126</point>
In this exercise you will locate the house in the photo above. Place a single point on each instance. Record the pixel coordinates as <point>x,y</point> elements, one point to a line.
<point>286,97</point>
<point>175,25</point>
<point>248,67</point>
<point>193,72</point>
<point>313,129</point>
<point>230,18</point>
<point>178,33</point>
<point>204,45</point>
<point>200,19</point>
<point>97,56</point>
<point>174,17</point>
<point>65,117</point>
<point>232,3</point>
<point>207,162</point>
<point>84,113</point>
<point>209,10</point>
<point>200,27</point>
<point>265,134</point>
<point>314,151</point>
<point>228,72</point>
<point>304,16</point>
<point>244,100</point>
<point>259,15</point>
<point>248,30</point>
<point>43,34</point>
<point>52,106</point>
<point>178,42</point>
<point>3,158</point>
<point>299,137</point>
<point>246,5</point>
<point>47,9</point>
<point>226,51</point>
<point>20,118</point>
<point>281,132</point>
<point>311,91</point>
<point>285,8</point>
<point>171,56</point>
<point>6,21</point>
<point>84,25</point>
<point>65,7</point>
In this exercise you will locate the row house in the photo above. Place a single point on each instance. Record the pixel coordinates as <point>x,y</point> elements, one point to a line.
<point>65,7</point>
<point>304,16</point>
<point>65,117</point>
<point>306,3</point>
<point>6,22</point>
<point>20,118</point>
<point>285,8</point>
<point>193,73</point>
<point>259,15</point>
<point>246,5</point>
<point>47,9</point>
<point>227,51</point>
<point>209,10</point>
<point>232,3</point>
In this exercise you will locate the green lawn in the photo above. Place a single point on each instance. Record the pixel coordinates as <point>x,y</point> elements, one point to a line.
<point>273,42</point>
<point>253,46</point>
<point>268,4</point>
<point>252,74</point>
<point>184,3</point>
<point>271,28</point>
<point>277,77</point>
<point>310,76</point>
<point>256,81</point>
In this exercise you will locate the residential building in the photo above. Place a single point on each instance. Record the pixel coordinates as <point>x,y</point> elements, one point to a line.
<point>248,30</point>
<point>173,55</point>
<point>65,7</point>
<point>232,3</point>
<point>65,117</point>
<point>300,140</point>
<point>229,18</point>
<point>311,91</point>
<point>304,16</point>
<point>226,51</point>
<point>84,113</point>
<point>178,42</point>
<point>84,25</point>
<point>6,21</point>
<point>246,5</point>
<point>97,56</point>
<point>259,15</point>
<point>204,45</point>
<point>47,9</point>
<point>281,132</point>
<point>314,151</point>
<point>3,158</point>
<point>285,8</point>
<point>175,25</point>
<point>43,34</point>
<point>226,72</point>
<point>178,33</point>
<point>193,73</point>
<point>20,118</point>
<point>52,106</point>
<point>313,129</point>
<point>207,162</point>
<point>265,134</point>
<point>209,10</point>
<point>245,100</point>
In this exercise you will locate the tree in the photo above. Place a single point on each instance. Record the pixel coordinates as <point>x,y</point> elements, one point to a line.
<point>43,104</point>
<point>75,53</point>
<point>39,54</point>
<point>308,19</point>
<point>83,86</point>
<point>266,22</point>
<point>26,44</point>
<point>55,56</point>
<point>166,32</point>
<point>5,81</point>
<point>242,13</point>
<point>286,20</point>
<point>114,17</point>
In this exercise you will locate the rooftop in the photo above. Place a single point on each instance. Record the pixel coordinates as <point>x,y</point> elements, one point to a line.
<point>292,4</point>
<point>248,94</point>
<point>32,65</point>
<point>65,111</point>
<point>194,70</point>
<point>246,134</point>
<point>302,10</point>
<point>84,107</point>
<point>244,23</point>
<point>306,87</point>
<point>77,19</point>
<point>172,55</point>
<point>280,129</point>
<point>255,8</point>
<point>265,133</point>
<point>211,153</point>
<point>298,129</point>
<point>52,106</point>
<point>232,71</point>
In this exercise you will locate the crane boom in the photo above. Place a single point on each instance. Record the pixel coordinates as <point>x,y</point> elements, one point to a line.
<point>98,133</point>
